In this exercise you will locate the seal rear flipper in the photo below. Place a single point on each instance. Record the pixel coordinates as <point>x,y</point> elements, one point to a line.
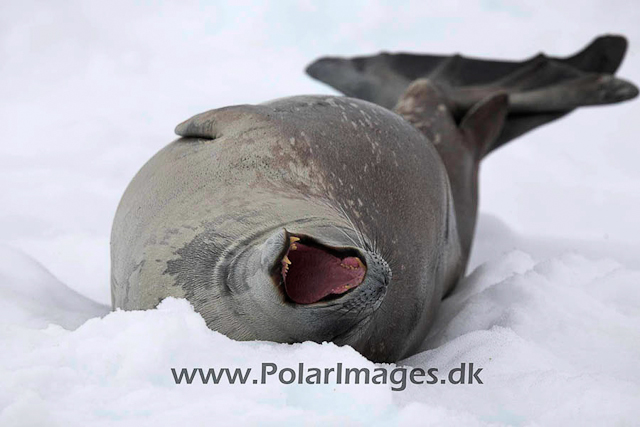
<point>603,55</point>
<point>383,78</point>
<point>540,89</point>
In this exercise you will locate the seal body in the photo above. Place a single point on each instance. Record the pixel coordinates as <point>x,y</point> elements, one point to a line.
<point>334,219</point>
<point>205,219</point>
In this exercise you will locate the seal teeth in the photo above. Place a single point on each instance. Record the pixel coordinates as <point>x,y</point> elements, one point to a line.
<point>286,262</point>
<point>353,267</point>
<point>292,241</point>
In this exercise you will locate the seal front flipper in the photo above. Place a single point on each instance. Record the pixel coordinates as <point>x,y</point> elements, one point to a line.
<point>540,89</point>
<point>211,124</point>
<point>461,146</point>
<point>483,123</point>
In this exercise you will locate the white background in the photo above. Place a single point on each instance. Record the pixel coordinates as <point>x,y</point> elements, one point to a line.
<point>89,91</point>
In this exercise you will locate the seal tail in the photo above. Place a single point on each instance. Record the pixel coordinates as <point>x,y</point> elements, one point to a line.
<point>539,90</point>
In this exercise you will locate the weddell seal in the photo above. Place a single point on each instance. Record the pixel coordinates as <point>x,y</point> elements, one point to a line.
<point>330,218</point>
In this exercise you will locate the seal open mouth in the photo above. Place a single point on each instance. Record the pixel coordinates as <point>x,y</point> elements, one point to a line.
<point>312,271</point>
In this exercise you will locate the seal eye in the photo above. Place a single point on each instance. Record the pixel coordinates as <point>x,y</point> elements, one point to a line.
<point>311,271</point>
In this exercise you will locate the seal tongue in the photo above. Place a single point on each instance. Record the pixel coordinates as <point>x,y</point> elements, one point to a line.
<point>312,273</point>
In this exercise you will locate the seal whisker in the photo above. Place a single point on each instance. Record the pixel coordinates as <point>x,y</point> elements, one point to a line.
<point>363,241</point>
<point>346,235</point>
<point>356,229</point>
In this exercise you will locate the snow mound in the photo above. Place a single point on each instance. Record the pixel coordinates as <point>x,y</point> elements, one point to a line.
<point>33,297</point>
<point>558,343</point>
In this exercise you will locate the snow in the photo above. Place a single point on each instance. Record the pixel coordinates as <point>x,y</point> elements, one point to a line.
<point>557,341</point>
<point>550,309</point>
